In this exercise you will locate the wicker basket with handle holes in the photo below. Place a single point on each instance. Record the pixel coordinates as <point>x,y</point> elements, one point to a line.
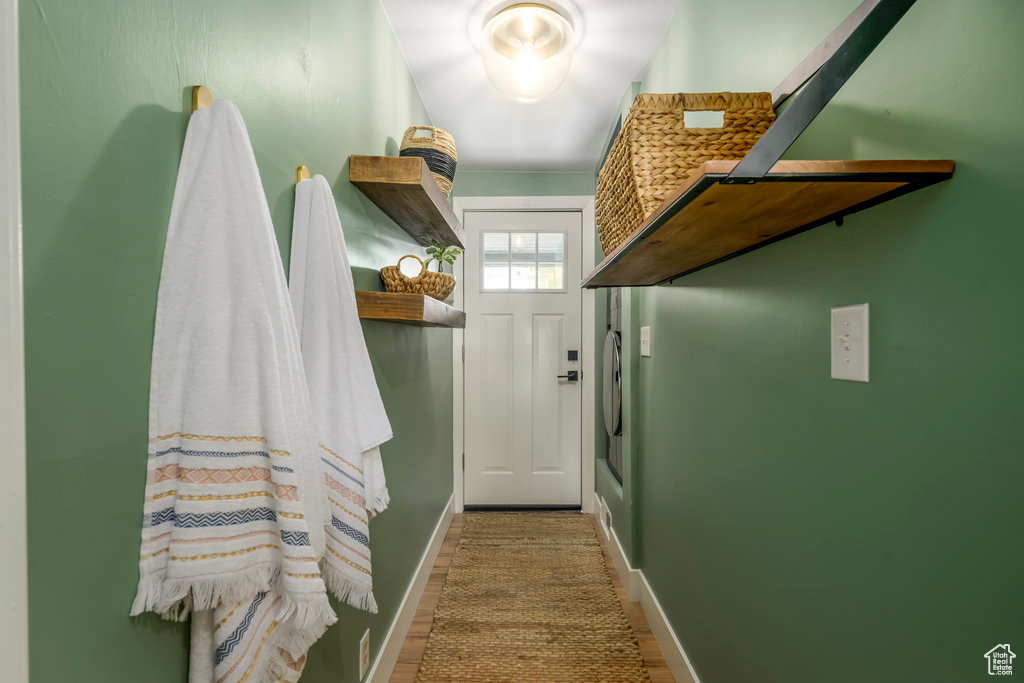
<point>435,285</point>
<point>655,152</point>
<point>437,148</point>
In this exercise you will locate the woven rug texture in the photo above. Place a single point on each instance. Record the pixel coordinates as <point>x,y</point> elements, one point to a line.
<point>528,598</point>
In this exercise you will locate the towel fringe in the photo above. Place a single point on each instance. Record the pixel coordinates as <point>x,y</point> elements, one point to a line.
<point>379,503</point>
<point>296,641</point>
<point>175,599</point>
<point>308,612</point>
<point>348,591</point>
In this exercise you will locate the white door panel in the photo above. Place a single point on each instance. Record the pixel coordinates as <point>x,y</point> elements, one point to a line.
<point>522,423</point>
<point>497,380</point>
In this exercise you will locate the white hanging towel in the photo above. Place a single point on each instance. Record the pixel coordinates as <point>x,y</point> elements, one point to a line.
<point>234,505</point>
<point>350,419</point>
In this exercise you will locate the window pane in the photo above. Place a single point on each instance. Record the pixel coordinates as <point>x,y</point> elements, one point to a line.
<point>495,276</point>
<point>551,246</point>
<point>550,276</point>
<point>524,246</point>
<point>496,246</point>
<point>524,276</point>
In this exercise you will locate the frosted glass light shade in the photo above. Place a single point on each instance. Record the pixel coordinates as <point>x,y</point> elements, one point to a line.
<point>527,51</point>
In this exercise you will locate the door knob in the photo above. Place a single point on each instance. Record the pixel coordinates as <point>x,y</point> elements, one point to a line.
<point>571,375</point>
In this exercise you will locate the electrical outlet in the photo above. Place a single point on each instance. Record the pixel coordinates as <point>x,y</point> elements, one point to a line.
<point>607,521</point>
<point>364,654</point>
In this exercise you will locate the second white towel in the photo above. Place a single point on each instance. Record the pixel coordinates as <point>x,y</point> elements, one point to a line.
<point>350,418</point>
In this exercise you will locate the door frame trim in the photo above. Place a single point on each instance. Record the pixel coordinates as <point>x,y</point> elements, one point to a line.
<point>13,531</point>
<point>585,205</point>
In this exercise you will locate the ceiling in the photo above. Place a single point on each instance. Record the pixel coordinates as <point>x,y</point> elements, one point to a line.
<point>566,132</point>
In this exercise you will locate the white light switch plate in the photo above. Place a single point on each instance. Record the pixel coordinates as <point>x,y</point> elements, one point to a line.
<point>850,343</point>
<point>645,341</point>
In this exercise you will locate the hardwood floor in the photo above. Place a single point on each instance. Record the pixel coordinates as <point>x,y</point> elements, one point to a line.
<point>416,641</point>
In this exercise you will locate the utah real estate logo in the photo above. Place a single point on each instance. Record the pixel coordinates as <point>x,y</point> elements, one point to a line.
<point>1000,660</point>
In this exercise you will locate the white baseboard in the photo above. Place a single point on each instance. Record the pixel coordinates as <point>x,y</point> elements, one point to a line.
<point>675,657</point>
<point>638,590</point>
<point>630,577</point>
<point>599,512</point>
<point>382,668</point>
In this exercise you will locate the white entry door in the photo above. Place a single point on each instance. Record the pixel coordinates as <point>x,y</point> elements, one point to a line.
<point>523,306</point>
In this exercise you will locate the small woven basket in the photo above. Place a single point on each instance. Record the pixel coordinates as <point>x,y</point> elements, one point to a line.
<point>437,148</point>
<point>435,285</point>
<point>655,152</point>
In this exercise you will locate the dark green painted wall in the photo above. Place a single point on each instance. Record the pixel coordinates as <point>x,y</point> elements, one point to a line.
<point>799,529</point>
<point>104,90</point>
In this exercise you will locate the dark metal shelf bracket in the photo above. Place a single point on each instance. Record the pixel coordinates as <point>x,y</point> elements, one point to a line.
<point>822,74</point>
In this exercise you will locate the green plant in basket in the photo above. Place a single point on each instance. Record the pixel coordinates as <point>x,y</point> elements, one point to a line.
<point>442,254</point>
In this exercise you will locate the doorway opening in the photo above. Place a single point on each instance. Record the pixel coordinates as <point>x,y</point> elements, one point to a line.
<point>524,365</point>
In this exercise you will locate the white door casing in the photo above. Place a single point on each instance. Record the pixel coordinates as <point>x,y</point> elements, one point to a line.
<point>522,421</point>
<point>13,569</point>
<point>584,204</point>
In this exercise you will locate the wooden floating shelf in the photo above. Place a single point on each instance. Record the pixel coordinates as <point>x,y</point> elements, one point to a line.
<point>404,189</point>
<point>706,221</point>
<point>408,309</point>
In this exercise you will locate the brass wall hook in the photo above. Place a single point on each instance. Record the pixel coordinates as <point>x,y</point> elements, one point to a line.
<point>201,97</point>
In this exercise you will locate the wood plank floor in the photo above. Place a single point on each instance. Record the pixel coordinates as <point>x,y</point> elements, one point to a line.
<point>416,641</point>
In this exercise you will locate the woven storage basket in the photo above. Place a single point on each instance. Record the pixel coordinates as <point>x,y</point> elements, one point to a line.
<point>437,148</point>
<point>655,152</point>
<point>436,285</point>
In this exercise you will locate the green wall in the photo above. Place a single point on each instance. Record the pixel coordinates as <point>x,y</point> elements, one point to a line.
<point>104,97</point>
<point>522,184</point>
<point>800,529</point>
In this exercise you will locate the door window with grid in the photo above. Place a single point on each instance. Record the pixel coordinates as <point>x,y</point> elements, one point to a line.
<point>521,261</point>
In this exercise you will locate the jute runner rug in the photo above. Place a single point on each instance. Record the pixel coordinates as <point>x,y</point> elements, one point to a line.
<point>528,598</point>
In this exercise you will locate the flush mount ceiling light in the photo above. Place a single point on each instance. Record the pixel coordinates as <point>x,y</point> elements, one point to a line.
<point>527,51</point>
